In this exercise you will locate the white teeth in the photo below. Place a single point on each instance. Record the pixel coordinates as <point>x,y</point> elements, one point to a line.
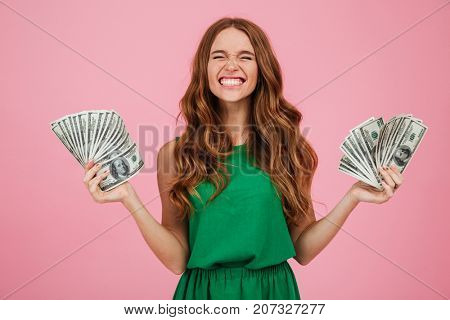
<point>231,82</point>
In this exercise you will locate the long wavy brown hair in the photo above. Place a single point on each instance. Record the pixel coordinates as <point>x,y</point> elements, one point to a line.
<point>274,140</point>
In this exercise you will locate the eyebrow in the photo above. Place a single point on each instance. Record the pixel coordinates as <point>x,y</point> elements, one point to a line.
<point>240,52</point>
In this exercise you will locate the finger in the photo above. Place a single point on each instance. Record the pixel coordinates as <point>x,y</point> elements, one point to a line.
<point>395,175</point>
<point>93,183</point>
<point>91,173</point>
<point>89,165</point>
<point>100,176</point>
<point>387,178</point>
<point>395,169</point>
<point>387,189</point>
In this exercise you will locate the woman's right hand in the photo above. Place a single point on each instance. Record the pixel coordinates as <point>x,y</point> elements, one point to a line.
<point>118,194</point>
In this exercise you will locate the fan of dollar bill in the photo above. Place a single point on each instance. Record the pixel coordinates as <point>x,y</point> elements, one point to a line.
<point>101,136</point>
<point>374,144</point>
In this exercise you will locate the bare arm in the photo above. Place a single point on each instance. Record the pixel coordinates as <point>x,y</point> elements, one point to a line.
<point>167,240</point>
<point>313,236</point>
<point>162,240</point>
<point>319,233</point>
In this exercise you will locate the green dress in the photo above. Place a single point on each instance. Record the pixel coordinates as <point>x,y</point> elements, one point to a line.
<point>240,242</point>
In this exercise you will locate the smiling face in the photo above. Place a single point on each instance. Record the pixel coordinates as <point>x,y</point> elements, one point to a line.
<point>232,67</point>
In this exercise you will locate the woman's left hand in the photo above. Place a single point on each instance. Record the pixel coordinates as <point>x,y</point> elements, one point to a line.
<point>363,192</point>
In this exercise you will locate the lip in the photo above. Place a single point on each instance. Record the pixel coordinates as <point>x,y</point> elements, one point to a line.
<point>232,77</point>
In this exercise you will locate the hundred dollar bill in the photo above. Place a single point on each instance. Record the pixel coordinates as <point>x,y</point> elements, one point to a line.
<point>371,133</point>
<point>346,166</point>
<point>351,173</point>
<point>385,137</point>
<point>102,123</point>
<point>378,146</point>
<point>56,128</point>
<point>120,147</point>
<point>113,140</point>
<point>101,136</point>
<point>121,168</point>
<point>350,148</point>
<point>396,136</point>
<point>79,131</point>
<point>407,145</point>
<point>392,134</point>
<point>373,144</point>
<point>363,146</point>
<point>95,119</point>
<point>67,127</point>
<point>397,120</point>
<point>348,163</point>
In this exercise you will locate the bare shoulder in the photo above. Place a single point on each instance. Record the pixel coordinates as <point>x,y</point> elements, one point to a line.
<point>165,159</point>
<point>166,171</point>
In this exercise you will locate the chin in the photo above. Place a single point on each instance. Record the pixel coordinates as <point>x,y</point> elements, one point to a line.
<point>231,99</point>
<point>231,96</point>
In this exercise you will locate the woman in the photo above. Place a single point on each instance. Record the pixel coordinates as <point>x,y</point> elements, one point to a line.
<point>236,185</point>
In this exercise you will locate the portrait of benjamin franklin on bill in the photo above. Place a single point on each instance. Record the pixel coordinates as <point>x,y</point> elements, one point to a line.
<point>119,168</point>
<point>402,155</point>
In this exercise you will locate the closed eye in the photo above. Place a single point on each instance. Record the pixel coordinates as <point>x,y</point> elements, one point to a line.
<point>248,58</point>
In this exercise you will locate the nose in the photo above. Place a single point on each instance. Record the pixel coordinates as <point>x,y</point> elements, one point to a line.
<point>232,65</point>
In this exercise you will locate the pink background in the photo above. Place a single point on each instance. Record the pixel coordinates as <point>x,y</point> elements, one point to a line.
<point>63,57</point>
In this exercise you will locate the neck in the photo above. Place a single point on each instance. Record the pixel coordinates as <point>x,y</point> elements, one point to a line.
<point>234,116</point>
